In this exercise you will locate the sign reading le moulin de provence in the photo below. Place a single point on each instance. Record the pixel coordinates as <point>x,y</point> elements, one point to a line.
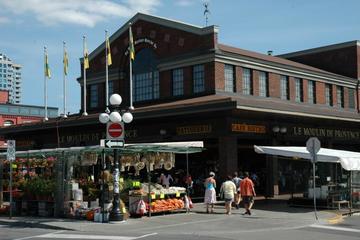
<point>327,133</point>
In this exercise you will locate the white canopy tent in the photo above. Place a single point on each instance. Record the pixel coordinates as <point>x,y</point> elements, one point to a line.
<point>349,160</point>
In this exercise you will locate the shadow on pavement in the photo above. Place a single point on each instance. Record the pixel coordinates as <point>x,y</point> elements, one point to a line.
<point>30,224</point>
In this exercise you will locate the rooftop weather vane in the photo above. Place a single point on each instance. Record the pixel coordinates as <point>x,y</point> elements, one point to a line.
<point>206,13</point>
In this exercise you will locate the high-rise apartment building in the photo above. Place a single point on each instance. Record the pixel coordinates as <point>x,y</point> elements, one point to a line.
<point>10,78</point>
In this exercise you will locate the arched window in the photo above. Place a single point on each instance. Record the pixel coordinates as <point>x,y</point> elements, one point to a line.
<point>145,76</point>
<point>8,123</point>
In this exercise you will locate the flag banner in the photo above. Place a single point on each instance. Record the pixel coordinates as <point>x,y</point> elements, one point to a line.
<point>109,60</point>
<point>47,68</point>
<point>86,57</point>
<point>131,45</point>
<point>66,63</point>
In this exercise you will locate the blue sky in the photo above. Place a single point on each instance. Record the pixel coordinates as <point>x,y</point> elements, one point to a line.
<point>26,26</point>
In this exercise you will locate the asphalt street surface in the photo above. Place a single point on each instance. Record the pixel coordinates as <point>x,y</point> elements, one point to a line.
<point>291,224</point>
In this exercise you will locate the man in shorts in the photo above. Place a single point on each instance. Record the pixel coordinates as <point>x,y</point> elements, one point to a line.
<point>247,192</point>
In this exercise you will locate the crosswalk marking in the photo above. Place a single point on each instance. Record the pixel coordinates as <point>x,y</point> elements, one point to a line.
<point>335,228</point>
<point>95,237</point>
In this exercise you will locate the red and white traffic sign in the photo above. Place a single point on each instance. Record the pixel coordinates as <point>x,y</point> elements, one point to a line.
<point>115,131</point>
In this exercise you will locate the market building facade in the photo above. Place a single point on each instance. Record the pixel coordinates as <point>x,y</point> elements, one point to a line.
<point>188,86</point>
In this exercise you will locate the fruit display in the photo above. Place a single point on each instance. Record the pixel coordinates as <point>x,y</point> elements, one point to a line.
<point>167,205</point>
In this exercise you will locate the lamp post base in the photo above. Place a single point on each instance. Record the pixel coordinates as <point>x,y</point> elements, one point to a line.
<point>115,214</point>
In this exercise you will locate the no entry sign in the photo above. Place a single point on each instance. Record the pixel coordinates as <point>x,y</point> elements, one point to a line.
<point>115,131</point>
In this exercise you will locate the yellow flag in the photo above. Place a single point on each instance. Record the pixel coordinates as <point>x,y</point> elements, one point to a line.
<point>66,62</point>
<point>131,45</point>
<point>86,56</point>
<point>109,61</point>
<point>47,68</point>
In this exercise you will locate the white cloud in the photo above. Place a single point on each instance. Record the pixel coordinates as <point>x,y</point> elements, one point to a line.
<point>184,3</point>
<point>81,12</point>
<point>4,20</point>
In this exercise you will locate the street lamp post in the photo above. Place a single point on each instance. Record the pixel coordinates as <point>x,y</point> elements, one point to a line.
<point>115,117</point>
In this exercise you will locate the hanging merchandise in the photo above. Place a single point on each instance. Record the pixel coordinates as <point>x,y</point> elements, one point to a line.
<point>88,158</point>
<point>141,208</point>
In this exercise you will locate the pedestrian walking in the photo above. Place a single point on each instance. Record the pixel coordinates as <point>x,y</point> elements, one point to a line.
<point>210,192</point>
<point>228,191</point>
<point>236,180</point>
<point>247,192</point>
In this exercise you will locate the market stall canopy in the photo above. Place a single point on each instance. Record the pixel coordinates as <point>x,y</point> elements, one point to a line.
<point>174,147</point>
<point>349,160</point>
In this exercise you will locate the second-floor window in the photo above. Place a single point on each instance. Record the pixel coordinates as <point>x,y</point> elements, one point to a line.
<point>311,92</point>
<point>340,96</point>
<point>94,96</point>
<point>229,78</point>
<point>284,88</point>
<point>263,84</point>
<point>351,97</point>
<point>328,95</point>
<point>247,82</point>
<point>298,90</point>
<point>198,78</point>
<point>178,82</point>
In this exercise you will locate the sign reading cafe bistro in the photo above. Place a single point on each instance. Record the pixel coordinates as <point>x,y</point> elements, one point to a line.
<point>325,132</point>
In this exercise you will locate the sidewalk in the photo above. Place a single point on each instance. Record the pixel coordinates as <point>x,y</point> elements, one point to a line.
<point>264,210</point>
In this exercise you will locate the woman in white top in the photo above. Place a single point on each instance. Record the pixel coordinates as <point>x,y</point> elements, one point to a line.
<point>228,190</point>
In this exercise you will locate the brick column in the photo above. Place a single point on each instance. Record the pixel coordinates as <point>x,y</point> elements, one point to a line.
<point>228,156</point>
<point>274,85</point>
<point>320,92</point>
<point>255,79</point>
<point>334,95</point>
<point>219,76</point>
<point>292,88</point>
<point>238,77</point>
<point>305,90</point>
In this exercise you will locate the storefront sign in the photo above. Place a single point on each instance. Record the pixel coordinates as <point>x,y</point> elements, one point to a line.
<point>328,133</point>
<point>143,40</point>
<point>237,127</point>
<point>195,129</point>
<point>93,138</point>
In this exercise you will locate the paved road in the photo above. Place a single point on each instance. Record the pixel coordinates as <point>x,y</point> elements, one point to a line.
<point>263,224</point>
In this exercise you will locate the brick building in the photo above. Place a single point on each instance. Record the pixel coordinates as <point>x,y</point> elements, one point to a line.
<point>188,86</point>
<point>15,114</point>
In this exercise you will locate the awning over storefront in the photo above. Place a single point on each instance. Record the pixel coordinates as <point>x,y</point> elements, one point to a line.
<point>349,160</point>
<point>174,147</point>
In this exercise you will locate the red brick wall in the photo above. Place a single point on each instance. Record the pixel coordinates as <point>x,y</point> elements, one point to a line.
<point>334,87</point>
<point>342,61</point>
<point>320,93</point>
<point>292,88</point>
<point>169,42</point>
<point>188,80</point>
<point>305,90</point>
<point>274,85</point>
<point>4,96</point>
<point>166,84</point>
<point>219,76</point>
<point>255,78</point>
<point>238,77</point>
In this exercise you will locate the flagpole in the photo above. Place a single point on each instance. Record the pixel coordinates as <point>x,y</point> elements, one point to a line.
<point>84,73</point>
<point>45,84</point>
<point>130,72</point>
<point>64,77</point>
<point>106,75</point>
